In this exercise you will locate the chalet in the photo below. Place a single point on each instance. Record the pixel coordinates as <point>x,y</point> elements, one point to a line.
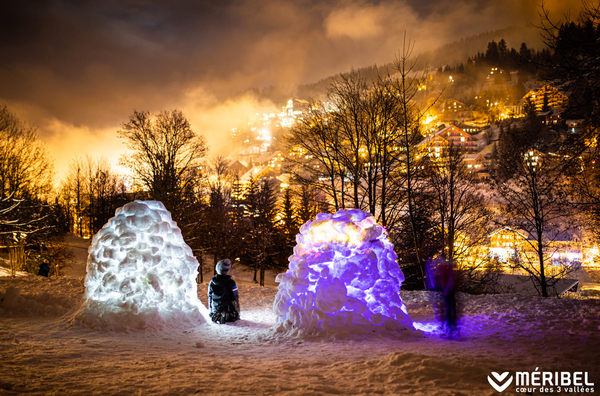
<point>236,168</point>
<point>470,128</point>
<point>549,117</point>
<point>532,158</point>
<point>437,144</point>
<point>505,242</point>
<point>272,159</point>
<point>454,106</point>
<point>574,126</point>
<point>546,97</point>
<point>296,107</point>
<point>257,173</point>
<point>476,163</point>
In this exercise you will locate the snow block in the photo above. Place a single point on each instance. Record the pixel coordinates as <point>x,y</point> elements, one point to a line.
<point>140,273</point>
<point>342,278</point>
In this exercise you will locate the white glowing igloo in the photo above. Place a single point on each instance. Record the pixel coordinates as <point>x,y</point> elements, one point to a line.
<point>342,277</point>
<point>140,273</point>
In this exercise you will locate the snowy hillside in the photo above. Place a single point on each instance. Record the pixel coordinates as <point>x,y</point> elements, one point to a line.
<point>41,354</point>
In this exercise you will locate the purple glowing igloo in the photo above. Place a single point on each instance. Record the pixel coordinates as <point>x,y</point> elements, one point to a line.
<point>342,278</point>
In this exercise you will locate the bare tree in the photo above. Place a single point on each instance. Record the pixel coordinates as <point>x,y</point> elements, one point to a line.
<point>90,193</point>
<point>72,195</point>
<point>407,183</point>
<point>26,172</point>
<point>360,148</point>
<point>344,146</point>
<point>349,93</point>
<point>535,195</point>
<point>165,153</point>
<point>25,165</point>
<point>106,191</point>
<point>25,184</point>
<point>316,150</point>
<point>461,216</point>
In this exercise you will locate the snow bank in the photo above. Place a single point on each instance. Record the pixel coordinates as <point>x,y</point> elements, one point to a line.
<point>140,273</point>
<point>38,296</point>
<point>13,303</point>
<point>342,279</point>
<point>6,272</point>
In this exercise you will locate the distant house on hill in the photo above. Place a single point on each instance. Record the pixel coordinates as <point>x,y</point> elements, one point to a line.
<point>533,158</point>
<point>470,128</point>
<point>574,126</point>
<point>454,106</point>
<point>436,145</point>
<point>272,159</point>
<point>296,107</point>
<point>475,163</point>
<point>549,117</point>
<point>257,173</point>
<point>505,242</point>
<point>546,97</point>
<point>236,168</point>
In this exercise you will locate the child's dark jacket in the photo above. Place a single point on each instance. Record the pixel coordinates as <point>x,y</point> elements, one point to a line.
<point>222,294</point>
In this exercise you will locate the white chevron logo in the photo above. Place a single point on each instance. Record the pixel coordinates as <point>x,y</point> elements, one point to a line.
<point>500,377</point>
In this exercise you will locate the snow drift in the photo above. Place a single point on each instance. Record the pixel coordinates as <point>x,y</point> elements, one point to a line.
<point>41,303</point>
<point>140,273</point>
<point>342,277</point>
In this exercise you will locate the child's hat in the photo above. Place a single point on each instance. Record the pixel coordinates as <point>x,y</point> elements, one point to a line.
<point>223,267</point>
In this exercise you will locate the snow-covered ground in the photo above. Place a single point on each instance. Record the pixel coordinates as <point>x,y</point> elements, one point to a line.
<point>41,354</point>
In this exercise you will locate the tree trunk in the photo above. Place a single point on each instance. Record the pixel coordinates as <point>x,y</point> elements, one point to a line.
<point>17,258</point>
<point>255,271</point>
<point>542,270</point>
<point>200,269</point>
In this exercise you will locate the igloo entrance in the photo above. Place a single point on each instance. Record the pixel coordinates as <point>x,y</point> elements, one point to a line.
<point>343,276</point>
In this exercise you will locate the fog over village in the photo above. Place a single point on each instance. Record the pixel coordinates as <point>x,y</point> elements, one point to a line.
<point>401,196</point>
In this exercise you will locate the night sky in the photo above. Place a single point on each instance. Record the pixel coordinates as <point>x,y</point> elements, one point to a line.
<point>77,69</point>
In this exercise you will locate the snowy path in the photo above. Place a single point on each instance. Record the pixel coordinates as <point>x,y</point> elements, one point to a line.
<point>40,355</point>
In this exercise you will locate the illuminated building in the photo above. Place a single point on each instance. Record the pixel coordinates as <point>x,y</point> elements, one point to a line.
<point>437,144</point>
<point>475,163</point>
<point>505,242</point>
<point>545,97</point>
<point>454,106</point>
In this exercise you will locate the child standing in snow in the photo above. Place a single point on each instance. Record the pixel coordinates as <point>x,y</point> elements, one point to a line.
<point>223,299</point>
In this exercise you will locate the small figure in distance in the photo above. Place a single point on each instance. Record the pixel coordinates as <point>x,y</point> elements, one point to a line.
<point>448,289</point>
<point>223,299</point>
<point>44,269</point>
<point>442,279</point>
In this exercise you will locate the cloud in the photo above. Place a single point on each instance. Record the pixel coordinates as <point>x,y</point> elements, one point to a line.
<point>355,22</point>
<point>66,142</point>
<point>81,68</point>
<point>214,118</point>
